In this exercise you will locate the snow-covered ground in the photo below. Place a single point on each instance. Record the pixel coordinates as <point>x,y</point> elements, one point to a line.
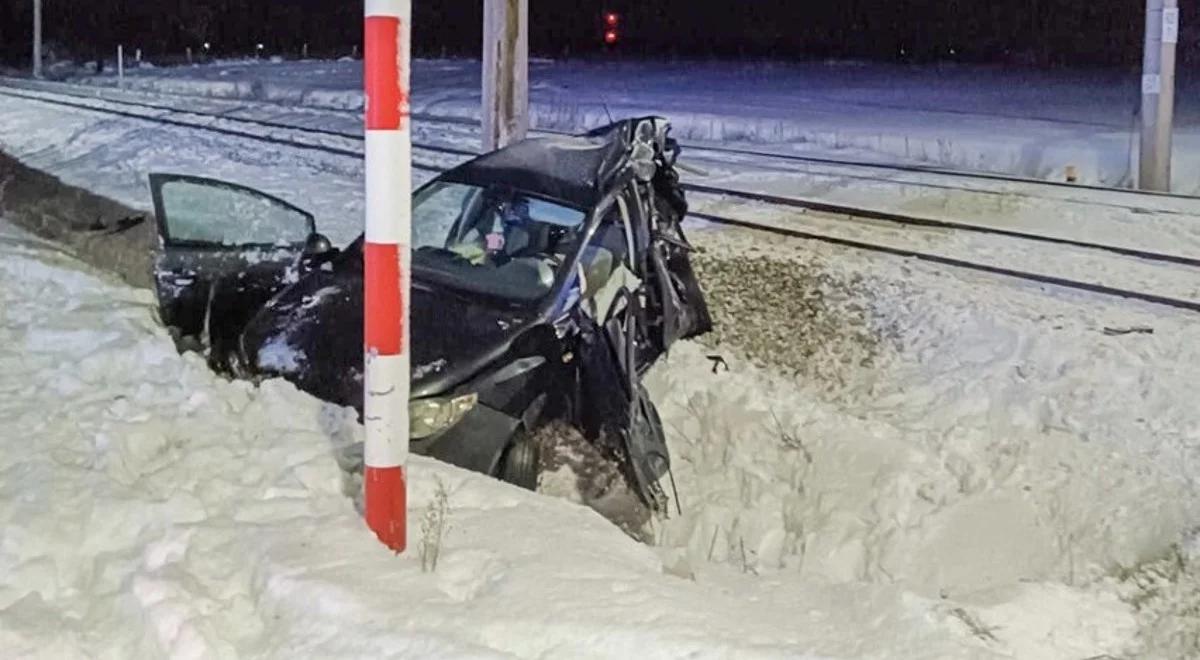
<point>900,461</point>
<point>161,510</point>
<point>1022,122</point>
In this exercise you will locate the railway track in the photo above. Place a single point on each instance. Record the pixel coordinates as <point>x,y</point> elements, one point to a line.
<point>1139,201</point>
<point>1180,296</point>
<point>1138,198</point>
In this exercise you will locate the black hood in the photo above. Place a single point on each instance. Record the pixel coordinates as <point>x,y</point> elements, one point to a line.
<point>312,334</point>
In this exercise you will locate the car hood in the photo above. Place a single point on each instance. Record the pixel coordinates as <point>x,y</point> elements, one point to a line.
<point>453,337</point>
<point>312,334</point>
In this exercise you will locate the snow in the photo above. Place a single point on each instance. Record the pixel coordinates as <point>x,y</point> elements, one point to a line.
<point>176,513</point>
<point>279,357</point>
<point>952,465</point>
<point>1025,122</point>
<point>998,477</point>
<point>173,513</point>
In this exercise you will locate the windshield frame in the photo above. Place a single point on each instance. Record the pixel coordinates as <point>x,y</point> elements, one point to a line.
<point>543,303</point>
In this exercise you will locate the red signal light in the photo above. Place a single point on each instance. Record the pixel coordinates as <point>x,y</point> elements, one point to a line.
<point>611,19</point>
<point>611,37</point>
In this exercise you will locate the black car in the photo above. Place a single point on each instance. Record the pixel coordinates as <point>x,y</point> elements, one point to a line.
<point>546,278</point>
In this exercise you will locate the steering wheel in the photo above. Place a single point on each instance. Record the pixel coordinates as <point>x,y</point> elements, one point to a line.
<point>445,253</point>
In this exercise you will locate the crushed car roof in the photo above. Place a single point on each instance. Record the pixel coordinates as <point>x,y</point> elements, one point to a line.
<point>577,169</point>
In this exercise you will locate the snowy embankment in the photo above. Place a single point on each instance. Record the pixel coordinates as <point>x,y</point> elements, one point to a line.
<point>150,508</point>
<point>165,511</point>
<point>1021,122</point>
<point>922,464</point>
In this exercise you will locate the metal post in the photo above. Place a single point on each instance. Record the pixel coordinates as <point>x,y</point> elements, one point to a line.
<point>1158,94</point>
<point>37,38</point>
<point>120,66</point>
<point>386,34</point>
<point>505,72</point>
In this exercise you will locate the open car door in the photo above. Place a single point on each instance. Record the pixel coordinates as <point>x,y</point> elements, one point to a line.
<point>211,232</point>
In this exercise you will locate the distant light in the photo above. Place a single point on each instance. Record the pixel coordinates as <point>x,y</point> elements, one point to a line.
<point>260,46</point>
<point>207,45</point>
<point>612,18</point>
<point>611,37</point>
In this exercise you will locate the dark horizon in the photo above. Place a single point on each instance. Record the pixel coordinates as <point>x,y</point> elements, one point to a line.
<point>1058,33</point>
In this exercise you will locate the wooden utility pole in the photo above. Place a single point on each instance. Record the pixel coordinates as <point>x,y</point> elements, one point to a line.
<point>37,38</point>
<point>505,72</point>
<point>1158,94</point>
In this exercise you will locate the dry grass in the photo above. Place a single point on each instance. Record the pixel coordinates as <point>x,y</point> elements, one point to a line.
<point>433,528</point>
<point>1165,593</point>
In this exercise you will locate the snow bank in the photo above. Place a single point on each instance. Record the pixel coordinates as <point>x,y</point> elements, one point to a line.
<point>775,479</point>
<point>172,513</point>
<point>166,511</point>
<point>985,445</point>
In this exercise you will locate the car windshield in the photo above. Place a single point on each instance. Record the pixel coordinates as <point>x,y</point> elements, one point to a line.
<point>493,241</point>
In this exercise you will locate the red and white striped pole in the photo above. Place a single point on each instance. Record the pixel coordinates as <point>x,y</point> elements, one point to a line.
<point>385,263</point>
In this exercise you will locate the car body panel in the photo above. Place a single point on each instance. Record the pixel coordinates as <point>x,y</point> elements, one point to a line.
<point>187,267</point>
<point>451,336</point>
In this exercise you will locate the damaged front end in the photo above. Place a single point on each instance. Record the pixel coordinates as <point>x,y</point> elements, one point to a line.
<point>649,300</point>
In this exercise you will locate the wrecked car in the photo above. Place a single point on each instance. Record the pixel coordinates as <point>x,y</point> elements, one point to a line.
<point>547,277</point>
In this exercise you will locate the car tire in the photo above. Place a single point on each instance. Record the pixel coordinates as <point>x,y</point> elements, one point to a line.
<point>520,463</point>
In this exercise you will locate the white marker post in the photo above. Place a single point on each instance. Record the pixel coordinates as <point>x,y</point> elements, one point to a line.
<point>120,66</point>
<point>386,32</point>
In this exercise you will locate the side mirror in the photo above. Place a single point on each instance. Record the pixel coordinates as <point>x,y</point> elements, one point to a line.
<point>317,244</point>
<point>597,268</point>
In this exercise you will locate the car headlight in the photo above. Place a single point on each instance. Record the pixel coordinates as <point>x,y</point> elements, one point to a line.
<point>429,416</point>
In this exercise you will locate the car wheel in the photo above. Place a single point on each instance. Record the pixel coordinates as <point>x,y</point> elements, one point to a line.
<point>520,464</point>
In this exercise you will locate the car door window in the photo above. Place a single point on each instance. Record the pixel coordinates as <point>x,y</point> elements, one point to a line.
<point>212,212</point>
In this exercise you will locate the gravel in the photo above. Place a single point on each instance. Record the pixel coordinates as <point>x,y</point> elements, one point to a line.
<point>788,311</point>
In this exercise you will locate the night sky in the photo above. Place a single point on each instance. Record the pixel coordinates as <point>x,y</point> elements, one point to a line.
<point>1026,32</point>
